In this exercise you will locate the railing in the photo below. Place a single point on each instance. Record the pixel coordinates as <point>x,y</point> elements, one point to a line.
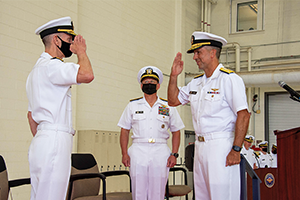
<point>245,167</point>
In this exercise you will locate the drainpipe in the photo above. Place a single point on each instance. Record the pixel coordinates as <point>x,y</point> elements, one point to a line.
<point>208,16</point>
<point>249,96</point>
<point>202,15</point>
<point>237,58</point>
<point>205,15</point>
<point>249,50</point>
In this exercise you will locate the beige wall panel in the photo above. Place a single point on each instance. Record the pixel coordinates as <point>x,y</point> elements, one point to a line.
<point>124,37</point>
<point>105,147</point>
<point>19,50</point>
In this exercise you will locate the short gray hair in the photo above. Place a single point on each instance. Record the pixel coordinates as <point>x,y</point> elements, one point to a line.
<point>218,50</point>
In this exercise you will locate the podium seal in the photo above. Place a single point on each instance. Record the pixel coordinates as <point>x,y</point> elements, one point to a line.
<point>269,180</point>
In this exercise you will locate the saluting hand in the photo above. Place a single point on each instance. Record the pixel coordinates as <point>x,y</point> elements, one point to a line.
<point>78,46</point>
<point>177,66</point>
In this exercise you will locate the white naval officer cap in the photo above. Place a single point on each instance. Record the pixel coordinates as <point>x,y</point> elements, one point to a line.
<point>249,138</point>
<point>200,39</point>
<point>263,144</point>
<point>61,25</point>
<point>151,72</point>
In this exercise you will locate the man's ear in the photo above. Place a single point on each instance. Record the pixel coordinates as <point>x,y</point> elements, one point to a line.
<point>56,40</point>
<point>213,53</point>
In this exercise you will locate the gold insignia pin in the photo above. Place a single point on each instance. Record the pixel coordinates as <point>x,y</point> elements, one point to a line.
<point>149,71</point>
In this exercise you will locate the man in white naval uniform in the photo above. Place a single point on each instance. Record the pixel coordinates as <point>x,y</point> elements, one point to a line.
<point>48,90</point>
<point>149,156</point>
<point>248,152</point>
<point>220,118</point>
<point>265,159</point>
<point>273,155</point>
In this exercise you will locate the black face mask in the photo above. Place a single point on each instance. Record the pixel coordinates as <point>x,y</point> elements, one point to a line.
<point>149,88</point>
<point>65,48</point>
<point>265,149</point>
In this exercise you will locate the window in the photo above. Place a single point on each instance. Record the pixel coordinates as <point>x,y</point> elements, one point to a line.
<point>246,15</point>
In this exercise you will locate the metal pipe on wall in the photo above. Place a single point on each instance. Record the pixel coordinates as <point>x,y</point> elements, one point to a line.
<point>249,58</point>
<point>237,48</point>
<point>202,15</point>
<point>270,78</point>
<point>205,15</point>
<point>208,15</point>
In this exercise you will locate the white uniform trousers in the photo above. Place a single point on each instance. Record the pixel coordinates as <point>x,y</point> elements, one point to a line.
<point>148,170</point>
<point>212,180</point>
<point>50,164</point>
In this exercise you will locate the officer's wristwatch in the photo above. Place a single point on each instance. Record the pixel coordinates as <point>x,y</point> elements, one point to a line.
<point>175,155</point>
<point>236,148</point>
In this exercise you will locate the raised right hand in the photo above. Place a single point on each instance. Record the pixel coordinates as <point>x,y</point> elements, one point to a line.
<point>177,66</point>
<point>78,46</point>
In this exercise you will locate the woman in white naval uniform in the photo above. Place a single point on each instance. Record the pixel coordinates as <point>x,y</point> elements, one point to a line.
<point>49,111</point>
<point>220,118</point>
<point>149,157</point>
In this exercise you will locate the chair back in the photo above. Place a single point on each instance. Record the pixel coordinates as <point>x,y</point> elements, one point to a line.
<point>178,190</point>
<point>84,164</point>
<point>4,189</point>
<point>189,157</point>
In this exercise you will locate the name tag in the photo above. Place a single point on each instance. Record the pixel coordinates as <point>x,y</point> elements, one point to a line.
<point>139,112</point>
<point>193,92</point>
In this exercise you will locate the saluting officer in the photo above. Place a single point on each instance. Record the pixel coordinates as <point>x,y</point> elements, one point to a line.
<point>149,157</point>
<point>49,111</point>
<point>220,118</point>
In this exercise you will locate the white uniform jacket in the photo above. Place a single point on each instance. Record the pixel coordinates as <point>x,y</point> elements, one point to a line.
<point>215,101</point>
<point>249,155</point>
<point>48,90</point>
<point>265,160</point>
<point>150,122</point>
<point>274,160</point>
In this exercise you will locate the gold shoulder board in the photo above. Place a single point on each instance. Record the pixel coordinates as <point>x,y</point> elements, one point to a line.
<point>227,71</point>
<point>135,99</point>
<point>163,99</point>
<point>200,75</point>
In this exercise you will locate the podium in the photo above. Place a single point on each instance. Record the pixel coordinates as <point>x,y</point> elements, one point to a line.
<point>288,163</point>
<point>268,186</point>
